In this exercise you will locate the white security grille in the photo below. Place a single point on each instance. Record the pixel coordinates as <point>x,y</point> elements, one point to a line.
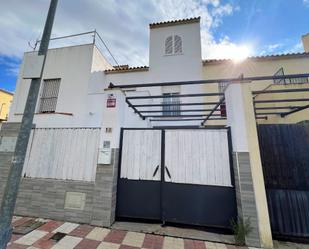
<point>49,95</point>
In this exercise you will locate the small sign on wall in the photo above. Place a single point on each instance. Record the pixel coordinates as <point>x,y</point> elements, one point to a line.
<point>111,101</point>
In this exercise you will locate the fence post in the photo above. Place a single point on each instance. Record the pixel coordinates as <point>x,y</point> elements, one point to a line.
<point>249,181</point>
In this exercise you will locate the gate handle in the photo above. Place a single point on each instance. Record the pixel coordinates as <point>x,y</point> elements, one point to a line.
<point>156,170</point>
<point>168,172</point>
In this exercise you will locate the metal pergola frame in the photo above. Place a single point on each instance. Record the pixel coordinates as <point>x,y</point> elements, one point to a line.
<point>289,109</point>
<point>212,81</point>
<point>211,108</point>
<point>204,112</point>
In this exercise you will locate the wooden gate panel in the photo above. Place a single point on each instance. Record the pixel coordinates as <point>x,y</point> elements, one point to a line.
<point>141,155</point>
<point>197,157</point>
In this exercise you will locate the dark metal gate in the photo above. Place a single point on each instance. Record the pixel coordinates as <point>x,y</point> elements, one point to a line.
<point>285,159</point>
<point>176,182</point>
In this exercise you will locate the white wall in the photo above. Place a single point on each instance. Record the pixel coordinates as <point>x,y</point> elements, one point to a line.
<point>77,67</point>
<point>81,69</point>
<point>168,68</point>
<point>185,66</point>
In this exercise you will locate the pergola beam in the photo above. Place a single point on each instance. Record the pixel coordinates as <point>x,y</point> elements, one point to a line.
<point>175,96</point>
<point>279,100</point>
<point>180,116</point>
<point>212,81</point>
<point>294,111</point>
<point>178,104</point>
<point>188,110</point>
<point>135,110</point>
<point>213,110</point>
<point>276,107</point>
<point>281,91</point>
<point>186,119</point>
<point>268,113</point>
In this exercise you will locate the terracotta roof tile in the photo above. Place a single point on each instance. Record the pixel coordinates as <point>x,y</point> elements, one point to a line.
<point>126,69</point>
<point>174,22</point>
<point>264,57</point>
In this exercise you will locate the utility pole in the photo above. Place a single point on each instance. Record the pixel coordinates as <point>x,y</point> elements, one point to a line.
<point>12,185</point>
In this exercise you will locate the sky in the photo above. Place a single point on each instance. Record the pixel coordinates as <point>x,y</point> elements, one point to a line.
<point>260,27</point>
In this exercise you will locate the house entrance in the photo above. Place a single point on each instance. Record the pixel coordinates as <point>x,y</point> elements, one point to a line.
<point>176,175</point>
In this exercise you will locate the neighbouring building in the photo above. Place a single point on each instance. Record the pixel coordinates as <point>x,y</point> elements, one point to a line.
<point>5,103</point>
<point>175,141</point>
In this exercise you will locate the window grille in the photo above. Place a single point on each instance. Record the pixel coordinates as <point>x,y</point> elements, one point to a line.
<point>173,45</point>
<point>171,110</point>
<point>49,95</point>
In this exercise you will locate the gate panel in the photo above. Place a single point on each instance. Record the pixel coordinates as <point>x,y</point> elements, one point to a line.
<point>285,160</point>
<point>194,187</point>
<point>141,155</point>
<point>139,182</point>
<point>197,188</point>
<point>197,157</point>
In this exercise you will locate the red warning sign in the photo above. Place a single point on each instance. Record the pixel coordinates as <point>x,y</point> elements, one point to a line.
<point>111,101</point>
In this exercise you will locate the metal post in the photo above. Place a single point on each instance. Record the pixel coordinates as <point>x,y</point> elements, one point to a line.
<point>12,185</point>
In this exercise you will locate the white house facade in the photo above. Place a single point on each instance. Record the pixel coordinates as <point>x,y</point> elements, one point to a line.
<point>103,148</point>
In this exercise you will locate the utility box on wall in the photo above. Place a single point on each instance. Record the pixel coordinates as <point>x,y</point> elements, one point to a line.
<point>33,65</point>
<point>105,153</point>
<point>7,144</point>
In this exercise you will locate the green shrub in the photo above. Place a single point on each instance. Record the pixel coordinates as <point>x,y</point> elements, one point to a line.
<point>241,229</point>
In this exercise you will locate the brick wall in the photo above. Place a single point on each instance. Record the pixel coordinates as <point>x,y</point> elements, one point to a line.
<point>246,206</point>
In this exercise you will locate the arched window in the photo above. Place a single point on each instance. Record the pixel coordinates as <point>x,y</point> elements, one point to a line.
<point>173,45</point>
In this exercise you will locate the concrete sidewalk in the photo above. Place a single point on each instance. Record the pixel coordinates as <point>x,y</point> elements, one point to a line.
<point>77,236</point>
<point>88,237</point>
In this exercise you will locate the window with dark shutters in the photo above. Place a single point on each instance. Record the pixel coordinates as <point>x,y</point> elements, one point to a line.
<point>49,95</point>
<point>169,45</point>
<point>173,45</point>
<point>177,44</point>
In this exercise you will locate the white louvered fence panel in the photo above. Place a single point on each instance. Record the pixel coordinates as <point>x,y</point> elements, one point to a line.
<point>141,154</point>
<point>67,154</point>
<point>197,157</point>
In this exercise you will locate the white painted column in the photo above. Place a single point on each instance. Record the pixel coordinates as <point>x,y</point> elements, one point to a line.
<point>113,118</point>
<point>249,181</point>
